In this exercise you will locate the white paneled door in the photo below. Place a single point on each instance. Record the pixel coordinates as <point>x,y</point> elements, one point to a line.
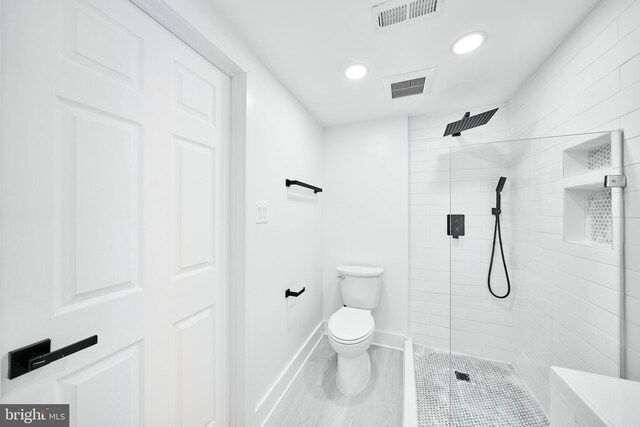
<point>114,214</point>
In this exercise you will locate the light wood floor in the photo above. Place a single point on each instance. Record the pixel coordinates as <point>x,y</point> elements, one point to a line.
<point>314,400</point>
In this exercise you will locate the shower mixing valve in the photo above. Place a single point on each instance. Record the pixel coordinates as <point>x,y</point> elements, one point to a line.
<point>455,225</point>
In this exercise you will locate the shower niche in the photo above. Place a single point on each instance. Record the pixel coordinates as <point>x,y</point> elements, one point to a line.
<point>588,204</point>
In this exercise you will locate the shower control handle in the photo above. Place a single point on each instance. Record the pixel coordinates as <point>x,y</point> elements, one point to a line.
<point>455,225</point>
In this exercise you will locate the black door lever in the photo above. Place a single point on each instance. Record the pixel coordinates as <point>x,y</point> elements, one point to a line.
<point>37,355</point>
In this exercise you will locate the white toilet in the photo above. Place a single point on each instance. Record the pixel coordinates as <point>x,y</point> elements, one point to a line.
<point>351,328</point>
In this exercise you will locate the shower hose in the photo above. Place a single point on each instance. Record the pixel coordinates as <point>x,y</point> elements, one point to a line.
<point>496,230</point>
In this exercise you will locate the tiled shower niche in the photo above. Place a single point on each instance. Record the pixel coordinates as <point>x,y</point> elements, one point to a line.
<point>588,205</point>
<point>598,219</point>
<point>599,157</point>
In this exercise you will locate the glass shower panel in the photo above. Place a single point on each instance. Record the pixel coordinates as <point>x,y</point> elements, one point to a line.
<point>552,294</point>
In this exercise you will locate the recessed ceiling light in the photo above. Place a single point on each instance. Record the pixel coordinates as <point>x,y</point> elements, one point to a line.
<point>356,71</point>
<point>468,43</point>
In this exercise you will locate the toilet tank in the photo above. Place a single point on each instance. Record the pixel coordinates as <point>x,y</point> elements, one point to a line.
<point>360,286</point>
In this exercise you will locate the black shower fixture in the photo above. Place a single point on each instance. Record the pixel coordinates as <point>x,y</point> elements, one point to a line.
<point>497,210</point>
<point>496,230</point>
<point>469,122</point>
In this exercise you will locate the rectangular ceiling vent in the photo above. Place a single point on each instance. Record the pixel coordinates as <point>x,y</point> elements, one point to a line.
<point>396,11</point>
<point>407,87</point>
<point>417,82</point>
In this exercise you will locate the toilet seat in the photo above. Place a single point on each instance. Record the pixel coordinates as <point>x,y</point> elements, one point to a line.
<point>350,326</point>
<point>353,342</point>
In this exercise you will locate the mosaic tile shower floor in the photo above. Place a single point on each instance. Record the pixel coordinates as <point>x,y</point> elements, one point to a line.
<point>495,396</point>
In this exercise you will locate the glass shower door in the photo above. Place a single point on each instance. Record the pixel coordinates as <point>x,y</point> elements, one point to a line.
<point>535,272</point>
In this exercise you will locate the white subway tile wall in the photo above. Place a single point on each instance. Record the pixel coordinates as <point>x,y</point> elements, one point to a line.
<point>462,317</point>
<point>566,304</point>
<point>567,314</point>
<point>591,83</point>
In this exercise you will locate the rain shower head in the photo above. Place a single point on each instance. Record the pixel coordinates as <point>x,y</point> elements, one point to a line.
<point>454,128</point>
<point>501,183</point>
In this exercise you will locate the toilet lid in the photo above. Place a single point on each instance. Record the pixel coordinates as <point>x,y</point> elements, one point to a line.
<point>350,324</point>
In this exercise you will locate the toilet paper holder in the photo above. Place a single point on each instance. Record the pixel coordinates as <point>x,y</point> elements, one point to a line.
<point>289,293</point>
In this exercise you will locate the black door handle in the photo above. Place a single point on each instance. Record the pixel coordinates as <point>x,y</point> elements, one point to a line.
<point>37,355</point>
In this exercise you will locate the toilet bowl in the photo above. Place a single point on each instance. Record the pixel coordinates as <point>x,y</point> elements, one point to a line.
<point>350,329</point>
<point>350,332</point>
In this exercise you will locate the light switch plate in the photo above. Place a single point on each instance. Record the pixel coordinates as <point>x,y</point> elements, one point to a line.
<point>262,214</point>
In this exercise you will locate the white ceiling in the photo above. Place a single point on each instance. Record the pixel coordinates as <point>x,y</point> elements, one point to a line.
<point>306,44</point>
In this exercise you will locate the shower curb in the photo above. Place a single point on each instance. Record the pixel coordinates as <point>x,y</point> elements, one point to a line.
<point>410,410</point>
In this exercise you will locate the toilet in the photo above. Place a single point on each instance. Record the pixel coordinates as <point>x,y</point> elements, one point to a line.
<point>351,328</point>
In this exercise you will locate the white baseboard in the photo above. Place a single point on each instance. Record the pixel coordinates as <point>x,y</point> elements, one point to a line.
<point>382,338</point>
<point>410,410</point>
<point>272,398</point>
<point>389,339</point>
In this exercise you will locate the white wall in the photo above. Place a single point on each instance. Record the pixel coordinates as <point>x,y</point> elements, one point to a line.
<point>366,212</point>
<point>567,300</point>
<point>592,82</point>
<point>450,307</point>
<point>283,141</point>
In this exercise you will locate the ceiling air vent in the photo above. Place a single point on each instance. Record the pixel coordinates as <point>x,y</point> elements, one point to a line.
<point>407,87</point>
<point>414,83</point>
<point>397,11</point>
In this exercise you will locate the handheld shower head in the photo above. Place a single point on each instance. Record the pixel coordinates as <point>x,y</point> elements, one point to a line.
<point>496,211</point>
<point>499,187</point>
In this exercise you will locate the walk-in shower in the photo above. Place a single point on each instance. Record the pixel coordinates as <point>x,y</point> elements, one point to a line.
<point>558,230</point>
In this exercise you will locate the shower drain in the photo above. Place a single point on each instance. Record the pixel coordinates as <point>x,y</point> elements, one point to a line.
<point>461,376</point>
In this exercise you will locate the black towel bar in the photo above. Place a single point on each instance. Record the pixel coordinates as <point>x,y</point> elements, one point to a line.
<point>290,182</point>
<point>289,293</point>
